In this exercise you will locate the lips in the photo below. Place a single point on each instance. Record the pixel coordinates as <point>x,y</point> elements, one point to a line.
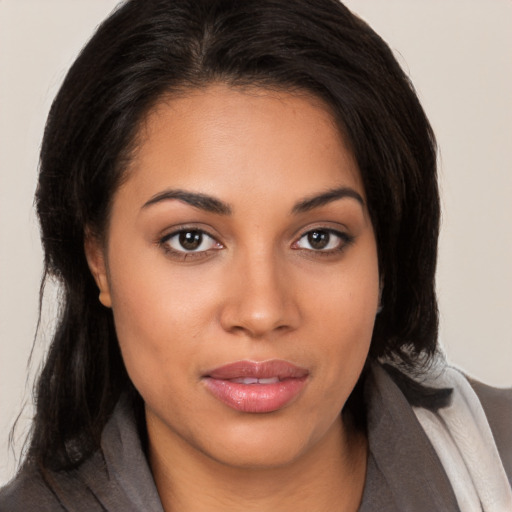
<point>256,387</point>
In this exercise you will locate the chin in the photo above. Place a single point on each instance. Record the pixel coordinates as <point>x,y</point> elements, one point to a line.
<point>258,456</point>
<point>264,443</point>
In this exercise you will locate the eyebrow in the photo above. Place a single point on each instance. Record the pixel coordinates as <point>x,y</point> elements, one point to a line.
<point>213,205</point>
<point>196,199</point>
<point>309,203</point>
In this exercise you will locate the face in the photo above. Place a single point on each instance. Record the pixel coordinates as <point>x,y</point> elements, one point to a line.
<point>241,267</point>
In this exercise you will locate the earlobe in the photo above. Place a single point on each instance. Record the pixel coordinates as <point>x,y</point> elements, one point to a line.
<point>95,254</point>
<point>104,298</point>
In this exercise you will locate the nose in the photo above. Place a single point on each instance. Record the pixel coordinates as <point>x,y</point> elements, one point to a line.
<point>260,300</point>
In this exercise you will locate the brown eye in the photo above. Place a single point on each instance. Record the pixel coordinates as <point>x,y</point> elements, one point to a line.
<point>318,239</point>
<point>323,240</point>
<point>190,240</point>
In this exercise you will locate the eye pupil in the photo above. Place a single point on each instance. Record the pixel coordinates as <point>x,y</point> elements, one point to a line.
<point>190,240</point>
<point>318,239</point>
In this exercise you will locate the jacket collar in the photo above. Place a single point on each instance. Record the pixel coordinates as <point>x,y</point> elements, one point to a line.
<point>402,453</point>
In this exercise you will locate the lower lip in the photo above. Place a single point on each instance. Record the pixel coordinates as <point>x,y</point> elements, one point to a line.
<point>255,398</point>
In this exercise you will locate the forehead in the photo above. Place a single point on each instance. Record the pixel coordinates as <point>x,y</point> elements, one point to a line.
<point>224,140</point>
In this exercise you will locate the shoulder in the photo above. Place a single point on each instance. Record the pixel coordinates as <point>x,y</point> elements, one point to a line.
<point>56,491</point>
<point>435,392</point>
<point>497,405</point>
<point>28,492</point>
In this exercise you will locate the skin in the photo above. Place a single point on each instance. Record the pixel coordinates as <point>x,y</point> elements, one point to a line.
<point>256,290</point>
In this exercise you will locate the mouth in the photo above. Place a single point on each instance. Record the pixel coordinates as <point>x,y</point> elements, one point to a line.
<point>256,387</point>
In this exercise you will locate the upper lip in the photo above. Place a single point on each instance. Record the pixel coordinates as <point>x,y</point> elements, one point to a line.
<point>258,369</point>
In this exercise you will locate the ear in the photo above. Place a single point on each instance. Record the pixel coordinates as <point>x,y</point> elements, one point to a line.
<point>95,254</point>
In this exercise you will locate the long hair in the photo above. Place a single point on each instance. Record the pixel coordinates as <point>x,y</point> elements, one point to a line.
<point>148,49</point>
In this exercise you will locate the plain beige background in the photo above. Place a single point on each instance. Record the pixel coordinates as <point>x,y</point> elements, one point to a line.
<point>459,56</point>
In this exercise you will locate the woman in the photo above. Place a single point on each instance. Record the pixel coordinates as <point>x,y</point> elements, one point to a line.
<point>230,194</point>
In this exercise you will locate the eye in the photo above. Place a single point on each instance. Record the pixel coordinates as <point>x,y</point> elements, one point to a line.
<point>189,241</point>
<point>325,240</point>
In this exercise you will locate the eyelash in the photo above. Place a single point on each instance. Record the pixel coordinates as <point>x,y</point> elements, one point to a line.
<point>344,240</point>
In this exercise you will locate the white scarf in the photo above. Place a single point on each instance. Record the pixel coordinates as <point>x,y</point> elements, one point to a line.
<point>463,441</point>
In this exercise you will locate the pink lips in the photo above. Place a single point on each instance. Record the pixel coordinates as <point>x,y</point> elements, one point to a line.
<point>256,387</point>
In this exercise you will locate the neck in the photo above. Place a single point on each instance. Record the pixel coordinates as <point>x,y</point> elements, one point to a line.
<point>333,473</point>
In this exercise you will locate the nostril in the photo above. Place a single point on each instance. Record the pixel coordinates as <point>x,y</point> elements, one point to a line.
<point>256,326</point>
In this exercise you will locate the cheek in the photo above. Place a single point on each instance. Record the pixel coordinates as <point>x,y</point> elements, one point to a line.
<point>346,299</point>
<point>344,313</point>
<point>159,315</point>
